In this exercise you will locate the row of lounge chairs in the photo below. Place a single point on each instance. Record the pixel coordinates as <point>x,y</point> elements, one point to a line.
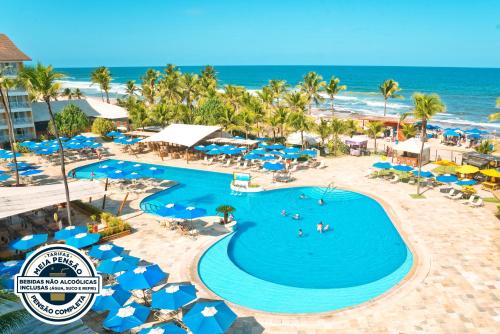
<point>473,201</point>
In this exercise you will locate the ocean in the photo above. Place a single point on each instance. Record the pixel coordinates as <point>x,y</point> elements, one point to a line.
<point>469,93</point>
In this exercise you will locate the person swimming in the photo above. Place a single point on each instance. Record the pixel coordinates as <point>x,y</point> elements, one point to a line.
<point>302,196</point>
<point>300,232</point>
<point>319,227</point>
<point>326,228</point>
<point>296,216</point>
<point>321,202</point>
<point>283,212</point>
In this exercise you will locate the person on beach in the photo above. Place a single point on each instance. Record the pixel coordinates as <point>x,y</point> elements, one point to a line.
<point>300,232</point>
<point>319,227</point>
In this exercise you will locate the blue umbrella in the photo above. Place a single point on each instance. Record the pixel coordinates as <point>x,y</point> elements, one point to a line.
<point>209,318</point>
<point>446,178</point>
<point>274,166</point>
<point>132,176</point>
<point>275,147</point>
<point>105,251</point>
<point>291,150</point>
<point>20,165</point>
<point>80,138</point>
<point>266,157</point>
<point>30,172</point>
<point>423,173</point>
<point>10,268</point>
<point>212,146</point>
<point>263,139</point>
<point>289,156</point>
<point>251,156</point>
<point>466,182</point>
<point>474,135</point>
<point>170,210</point>
<point>113,134</point>
<point>111,297</point>
<point>232,151</point>
<point>142,277</point>
<point>7,283</point>
<point>154,171</point>
<point>275,152</point>
<point>126,317</point>
<point>9,155</point>
<point>4,177</point>
<point>27,143</point>
<point>215,151</point>
<point>403,168</point>
<point>117,174</point>
<point>29,241</point>
<point>311,153</point>
<point>117,264</point>
<point>168,328</point>
<point>82,240</point>
<point>46,151</point>
<point>95,145</point>
<point>69,232</point>
<point>451,133</point>
<point>259,151</point>
<point>382,165</point>
<point>201,148</point>
<point>173,296</point>
<point>191,213</point>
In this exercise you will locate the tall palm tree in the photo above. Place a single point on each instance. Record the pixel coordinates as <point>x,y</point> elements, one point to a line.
<point>351,127</point>
<point>131,88</point>
<point>229,120</point>
<point>389,89</point>
<point>282,114</point>
<point>233,95</point>
<point>324,130</point>
<point>311,86</point>
<point>67,92</point>
<point>102,77</point>
<point>332,88</point>
<point>5,85</point>
<point>208,80</point>
<point>41,82</point>
<point>374,130</point>
<point>149,81</point>
<point>266,95</point>
<point>190,88</point>
<point>337,127</point>
<point>408,130</point>
<point>278,88</point>
<point>296,101</point>
<point>301,122</point>
<point>78,93</point>
<point>426,106</point>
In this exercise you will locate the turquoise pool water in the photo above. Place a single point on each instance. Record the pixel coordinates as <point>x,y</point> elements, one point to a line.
<point>265,265</point>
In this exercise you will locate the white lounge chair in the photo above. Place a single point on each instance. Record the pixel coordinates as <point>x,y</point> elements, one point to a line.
<point>321,165</point>
<point>227,164</point>
<point>395,179</point>
<point>470,200</point>
<point>451,193</point>
<point>477,204</point>
<point>458,195</point>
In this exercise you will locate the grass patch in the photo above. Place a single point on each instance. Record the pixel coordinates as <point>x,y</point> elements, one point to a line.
<point>491,200</point>
<point>416,196</point>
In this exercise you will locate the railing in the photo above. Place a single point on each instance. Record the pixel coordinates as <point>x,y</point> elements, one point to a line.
<point>17,121</point>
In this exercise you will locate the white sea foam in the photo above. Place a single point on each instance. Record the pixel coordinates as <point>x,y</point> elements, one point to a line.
<point>93,89</point>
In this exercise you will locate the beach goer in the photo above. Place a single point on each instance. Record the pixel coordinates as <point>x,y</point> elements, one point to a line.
<point>300,232</point>
<point>283,212</point>
<point>319,227</point>
<point>321,202</point>
<point>296,216</point>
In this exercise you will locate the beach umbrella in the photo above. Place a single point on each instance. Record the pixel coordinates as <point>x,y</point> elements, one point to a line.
<point>80,138</point>
<point>273,166</point>
<point>291,150</point>
<point>117,264</point>
<point>116,174</point>
<point>423,173</point>
<point>467,169</point>
<point>95,145</point>
<point>275,152</point>
<point>209,318</point>
<point>111,297</point>
<point>105,251</point>
<point>82,240</point>
<point>474,136</point>
<point>212,146</point>
<point>275,147</point>
<point>29,241</point>
<point>451,133</point>
<point>9,155</point>
<point>382,165</point>
<point>132,176</point>
<point>266,157</point>
<point>201,148</point>
<point>311,153</point>
<point>491,173</point>
<point>21,165</point>
<point>168,328</point>
<point>170,210</point>
<point>46,151</point>
<point>215,151</point>
<point>251,156</point>
<point>232,151</point>
<point>445,169</point>
<point>154,171</point>
<point>4,177</point>
<point>258,151</point>
<point>113,134</point>
<point>402,168</point>
<point>446,178</point>
<point>27,143</point>
<point>290,156</point>
<point>173,296</point>
<point>142,277</point>
<point>31,172</point>
<point>263,139</point>
<point>69,231</point>
<point>191,213</point>
<point>126,317</point>
<point>466,182</point>
<point>10,268</point>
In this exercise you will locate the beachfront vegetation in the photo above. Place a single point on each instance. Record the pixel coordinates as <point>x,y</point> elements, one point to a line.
<point>6,84</point>
<point>332,88</point>
<point>72,94</point>
<point>426,106</point>
<point>486,147</point>
<point>102,126</point>
<point>102,77</point>
<point>408,130</point>
<point>41,83</point>
<point>389,89</point>
<point>71,121</point>
<point>225,210</point>
<point>374,130</point>
<point>495,116</point>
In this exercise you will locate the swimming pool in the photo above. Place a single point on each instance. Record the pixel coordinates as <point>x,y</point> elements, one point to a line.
<point>265,265</point>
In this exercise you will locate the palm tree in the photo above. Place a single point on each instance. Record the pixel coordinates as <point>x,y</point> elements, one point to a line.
<point>486,147</point>
<point>149,80</point>
<point>233,95</point>
<point>425,107</point>
<point>296,101</point>
<point>102,77</point>
<point>229,120</point>
<point>226,210</point>
<point>337,127</point>
<point>282,114</point>
<point>388,89</point>
<point>402,118</point>
<point>78,93</point>
<point>351,127</point>
<point>409,130</point>
<point>495,116</point>
<point>332,88</point>
<point>299,121</point>
<point>278,88</point>
<point>374,130</point>
<point>208,80</point>
<point>190,88</point>
<point>266,95</point>
<point>67,92</point>
<point>41,82</point>
<point>324,130</point>
<point>5,85</point>
<point>311,87</point>
<point>131,88</point>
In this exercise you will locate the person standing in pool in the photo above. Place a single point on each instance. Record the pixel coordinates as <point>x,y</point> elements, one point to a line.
<point>319,227</point>
<point>302,196</point>
<point>300,233</point>
<point>321,202</point>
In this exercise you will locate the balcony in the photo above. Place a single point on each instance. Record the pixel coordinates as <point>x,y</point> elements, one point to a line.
<point>14,106</point>
<point>26,121</point>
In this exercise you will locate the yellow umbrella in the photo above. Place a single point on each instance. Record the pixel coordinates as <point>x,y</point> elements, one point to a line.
<point>491,172</point>
<point>467,169</point>
<point>445,163</point>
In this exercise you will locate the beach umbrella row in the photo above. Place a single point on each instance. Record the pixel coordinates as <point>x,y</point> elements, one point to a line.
<point>181,212</point>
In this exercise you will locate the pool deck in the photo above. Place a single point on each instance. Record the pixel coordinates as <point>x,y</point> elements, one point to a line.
<point>453,287</point>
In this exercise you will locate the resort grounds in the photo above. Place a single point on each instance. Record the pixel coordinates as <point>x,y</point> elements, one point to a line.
<point>453,287</point>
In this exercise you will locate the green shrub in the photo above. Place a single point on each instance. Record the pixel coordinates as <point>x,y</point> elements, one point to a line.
<point>101,126</point>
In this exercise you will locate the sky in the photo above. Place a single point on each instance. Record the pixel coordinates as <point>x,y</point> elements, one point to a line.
<point>86,33</point>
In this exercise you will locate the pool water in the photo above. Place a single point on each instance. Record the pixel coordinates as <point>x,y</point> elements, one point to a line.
<point>266,265</point>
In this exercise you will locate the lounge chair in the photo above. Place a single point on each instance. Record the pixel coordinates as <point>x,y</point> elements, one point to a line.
<point>227,164</point>
<point>458,195</point>
<point>470,200</point>
<point>321,165</point>
<point>451,193</point>
<point>477,204</point>
<point>395,179</point>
